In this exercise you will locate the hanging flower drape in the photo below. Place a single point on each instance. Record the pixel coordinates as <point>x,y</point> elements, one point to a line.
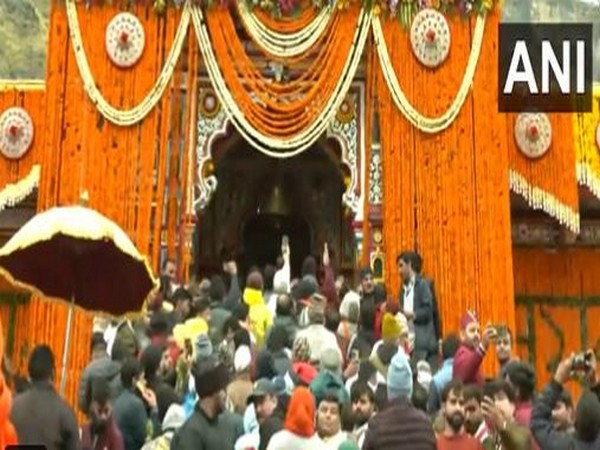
<point>32,98</point>
<point>281,119</point>
<point>424,123</point>
<point>126,170</point>
<point>125,117</point>
<point>549,183</point>
<point>587,145</point>
<point>284,44</point>
<point>446,195</point>
<point>13,193</point>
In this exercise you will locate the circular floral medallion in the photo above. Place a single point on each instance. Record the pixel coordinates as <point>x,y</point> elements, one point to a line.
<point>125,40</point>
<point>16,132</point>
<point>430,37</point>
<point>209,104</point>
<point>533,133</point>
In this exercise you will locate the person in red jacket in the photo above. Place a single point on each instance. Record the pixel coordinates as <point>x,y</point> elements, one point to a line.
<point>472,350</point>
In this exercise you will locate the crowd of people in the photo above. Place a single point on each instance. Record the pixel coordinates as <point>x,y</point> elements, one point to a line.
<point>310,363</point>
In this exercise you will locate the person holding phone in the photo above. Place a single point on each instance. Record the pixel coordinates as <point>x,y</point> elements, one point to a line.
<point>587,412</point>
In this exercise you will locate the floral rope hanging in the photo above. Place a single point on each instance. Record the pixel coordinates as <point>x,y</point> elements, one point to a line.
<point>14,193</point>
<point>539,199</point>
<point>430,125</point>
<point>283,45</point>
<point>587,146</point>
<point>137,113</point>
<point>286,146</point>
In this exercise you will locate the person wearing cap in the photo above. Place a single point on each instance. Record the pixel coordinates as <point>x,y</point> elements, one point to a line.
<point>472,349</point>
<point>319,338</point>
<point>260,316</point>
<point>208,428</point>
<point>240,389</point>
<point>298,431</point>
<point>394,329</point>
<point>400,426</point>
<point>264,399</point>
<point>269,412</point>
<point>416,302</point>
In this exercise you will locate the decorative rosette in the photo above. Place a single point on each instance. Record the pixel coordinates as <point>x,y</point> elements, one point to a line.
<point>125,40</point>
<point>209,104</point>
<point>430,37</point>
<point>598,136</point>
<point>347,111</point>
<point>16,132</point>
<point>533,133</point>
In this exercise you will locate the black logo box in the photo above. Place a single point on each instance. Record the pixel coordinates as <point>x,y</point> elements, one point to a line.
<point>533,34</point>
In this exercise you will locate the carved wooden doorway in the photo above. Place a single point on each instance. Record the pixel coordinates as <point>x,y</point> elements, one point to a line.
<point>259,199</point>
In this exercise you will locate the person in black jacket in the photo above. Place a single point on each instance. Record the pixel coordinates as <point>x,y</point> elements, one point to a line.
<point>209,427</point>
<point>418,267</point>
<point>417,304</point>
<point>587,415</point>
<point>39,415</point>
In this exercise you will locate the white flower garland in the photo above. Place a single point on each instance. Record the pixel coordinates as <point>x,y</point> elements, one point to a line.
<point>541,200</point>
<point>280,44</point>
<point>286,147</point>
<point>430,125</point>
<point>137,113</point>
<point>14,193</point>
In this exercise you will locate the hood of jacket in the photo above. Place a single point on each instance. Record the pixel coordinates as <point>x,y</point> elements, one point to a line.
<point>253,297</point>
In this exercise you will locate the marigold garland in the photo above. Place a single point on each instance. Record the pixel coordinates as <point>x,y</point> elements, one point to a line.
<point>281,10</point>
<point>587,150</point>
<point>426,124</point>
<point>262,128</point>
<point>283,45</point>
<point>137,113</point>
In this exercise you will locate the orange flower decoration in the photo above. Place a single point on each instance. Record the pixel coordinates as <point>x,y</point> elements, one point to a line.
<point>8,435</point>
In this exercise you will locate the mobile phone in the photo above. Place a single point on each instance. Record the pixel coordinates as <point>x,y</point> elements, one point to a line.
<point>354,355</point>
<point>582,362</point>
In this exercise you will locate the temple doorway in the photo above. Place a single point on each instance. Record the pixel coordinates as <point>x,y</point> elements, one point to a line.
<point>260,199</point>
<point>263,235</point>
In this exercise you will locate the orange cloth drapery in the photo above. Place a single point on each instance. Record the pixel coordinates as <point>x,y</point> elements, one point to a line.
<point>447,195</point>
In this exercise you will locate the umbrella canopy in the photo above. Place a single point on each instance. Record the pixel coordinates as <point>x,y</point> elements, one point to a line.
<point>77,254</point>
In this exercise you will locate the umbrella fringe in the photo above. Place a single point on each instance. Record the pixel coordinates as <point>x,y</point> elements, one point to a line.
<point>19,285</point>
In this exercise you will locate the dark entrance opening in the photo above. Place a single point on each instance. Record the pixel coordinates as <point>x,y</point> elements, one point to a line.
<point>260,199</point>
<point>262,239</point>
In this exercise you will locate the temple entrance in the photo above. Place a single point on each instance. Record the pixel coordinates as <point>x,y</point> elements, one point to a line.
<point>260,199</point>
<point>262,238</point>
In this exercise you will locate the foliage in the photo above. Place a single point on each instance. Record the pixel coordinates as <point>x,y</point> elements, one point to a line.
<point>23,39</point>
<point>403,10</point>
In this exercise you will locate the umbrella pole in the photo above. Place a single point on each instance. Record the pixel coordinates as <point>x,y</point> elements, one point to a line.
<point>65,356</point>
